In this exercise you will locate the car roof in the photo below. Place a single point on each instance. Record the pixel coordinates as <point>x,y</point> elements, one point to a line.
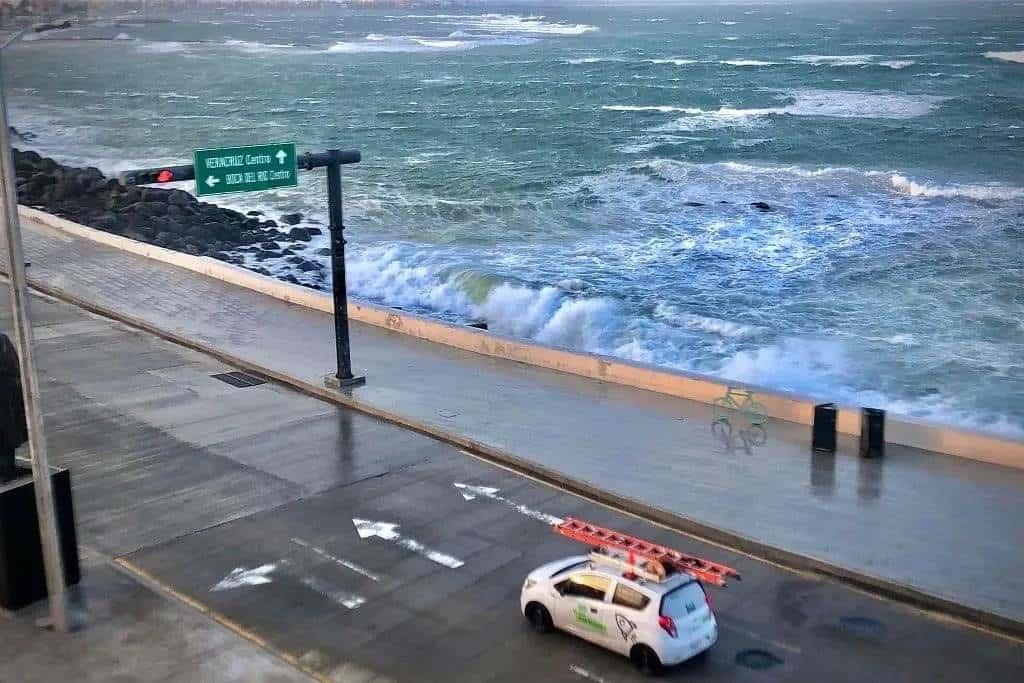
<point>670,583</point>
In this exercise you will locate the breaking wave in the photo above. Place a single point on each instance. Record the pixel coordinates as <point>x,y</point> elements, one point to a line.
<point>812,102</point>
<point>509,23</point>
<point>1015,57</point>
<point>905,185</point>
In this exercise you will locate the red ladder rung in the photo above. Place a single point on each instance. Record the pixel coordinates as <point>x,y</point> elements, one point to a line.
<point>710,572</point>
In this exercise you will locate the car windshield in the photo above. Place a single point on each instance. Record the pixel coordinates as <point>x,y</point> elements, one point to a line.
<point>683,601</point>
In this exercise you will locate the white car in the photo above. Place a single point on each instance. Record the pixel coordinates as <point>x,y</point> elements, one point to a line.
<point>654,623</point>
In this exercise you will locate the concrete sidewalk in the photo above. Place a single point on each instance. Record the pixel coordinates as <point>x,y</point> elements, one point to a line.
<point>127,632</point>
<point>947,526</point>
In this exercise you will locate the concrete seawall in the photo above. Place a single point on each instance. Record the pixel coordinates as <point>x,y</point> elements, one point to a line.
<point>780,405</point>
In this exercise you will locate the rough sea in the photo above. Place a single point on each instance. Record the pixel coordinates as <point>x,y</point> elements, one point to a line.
<point>582,176</point>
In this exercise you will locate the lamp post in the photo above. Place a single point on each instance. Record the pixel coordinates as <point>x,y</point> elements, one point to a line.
<point>48,534</point>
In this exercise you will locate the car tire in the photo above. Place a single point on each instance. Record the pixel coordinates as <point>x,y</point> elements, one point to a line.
<point>539,617</point>
<point>646,660</point>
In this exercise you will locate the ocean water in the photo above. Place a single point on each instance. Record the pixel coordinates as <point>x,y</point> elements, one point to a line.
<point>537,167</point>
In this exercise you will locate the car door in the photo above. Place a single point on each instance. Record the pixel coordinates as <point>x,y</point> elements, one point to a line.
<point>627,612</point>
<point>582,608</point>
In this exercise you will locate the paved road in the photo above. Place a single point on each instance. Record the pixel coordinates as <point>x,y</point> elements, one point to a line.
<point>191,481</point>
<point>946,525</point>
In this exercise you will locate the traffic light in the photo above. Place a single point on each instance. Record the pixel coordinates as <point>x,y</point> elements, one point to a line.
<point>151,176</point>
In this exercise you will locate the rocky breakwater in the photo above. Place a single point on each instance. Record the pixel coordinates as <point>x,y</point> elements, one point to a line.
<point>167,218</point>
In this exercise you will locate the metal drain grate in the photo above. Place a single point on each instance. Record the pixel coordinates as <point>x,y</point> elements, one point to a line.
<point>239,379</point>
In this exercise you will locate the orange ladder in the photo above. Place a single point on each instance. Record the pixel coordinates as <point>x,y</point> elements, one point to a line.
<point>591,534</point>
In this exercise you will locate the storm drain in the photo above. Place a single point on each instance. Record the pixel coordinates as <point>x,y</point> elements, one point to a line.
<point>239,379</point>
<point>758,660</point>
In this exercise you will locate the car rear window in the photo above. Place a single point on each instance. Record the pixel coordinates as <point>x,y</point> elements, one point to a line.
<point>684,600</point>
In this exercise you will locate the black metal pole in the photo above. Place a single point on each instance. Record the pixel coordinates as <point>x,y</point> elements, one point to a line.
<point>340,294</point>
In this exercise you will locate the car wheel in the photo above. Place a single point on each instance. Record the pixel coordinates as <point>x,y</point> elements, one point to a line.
<point>539,617</point>
<point>646,660</point>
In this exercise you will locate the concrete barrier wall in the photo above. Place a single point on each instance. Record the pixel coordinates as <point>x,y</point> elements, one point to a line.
<point>780,405</point>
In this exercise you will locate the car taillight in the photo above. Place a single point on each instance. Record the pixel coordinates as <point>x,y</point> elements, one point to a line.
<point>668,625</point>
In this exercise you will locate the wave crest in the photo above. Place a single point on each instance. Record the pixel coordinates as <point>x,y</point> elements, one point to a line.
<point>905,185</point>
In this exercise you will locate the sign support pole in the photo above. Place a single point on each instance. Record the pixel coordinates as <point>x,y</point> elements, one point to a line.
<point>48,534</point>
<point>344,376</point>
<point>333,160</point>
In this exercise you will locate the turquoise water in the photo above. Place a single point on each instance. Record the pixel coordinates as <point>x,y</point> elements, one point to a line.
<point>537,167</point>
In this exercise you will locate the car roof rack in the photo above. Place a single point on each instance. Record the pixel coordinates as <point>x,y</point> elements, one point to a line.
<point>655,561</point>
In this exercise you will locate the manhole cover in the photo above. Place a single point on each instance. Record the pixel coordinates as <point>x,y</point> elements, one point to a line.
<point>757,659</point>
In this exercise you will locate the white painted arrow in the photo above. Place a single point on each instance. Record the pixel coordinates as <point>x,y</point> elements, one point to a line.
<point>240,576</point>
<point>211,181</point>
<point>281,156</point>
<point>470,492</point>
<point>389,532</point>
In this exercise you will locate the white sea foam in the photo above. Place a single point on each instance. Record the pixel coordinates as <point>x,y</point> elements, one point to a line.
<point>834,60</point>
<point>664,109</point>
<point>377,43</point>
<point>1015,57</point>
<point>592,60</point>
<point>812,102</point>
<point>701,323</point>
<point>898,63</point>
<point>905,185</point>
<point>869,105</point>
<point>166,46</point>
<point>509,23</point>
<point>725,117</point>
<point>676,61</point>
<point>747,62</point>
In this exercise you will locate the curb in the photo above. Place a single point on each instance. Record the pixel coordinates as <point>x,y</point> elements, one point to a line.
<point>886,588</point>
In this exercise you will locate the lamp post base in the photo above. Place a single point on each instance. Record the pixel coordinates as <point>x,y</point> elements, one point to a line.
<point>333,382</point>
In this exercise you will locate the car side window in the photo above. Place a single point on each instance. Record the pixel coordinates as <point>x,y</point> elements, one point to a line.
<point>629,597</point>
<point>585,586</point>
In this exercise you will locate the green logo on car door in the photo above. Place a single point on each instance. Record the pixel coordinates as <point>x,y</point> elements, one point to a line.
<point>584,618</point>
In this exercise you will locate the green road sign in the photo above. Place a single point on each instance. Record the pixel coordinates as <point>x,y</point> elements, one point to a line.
<point>245,169</point>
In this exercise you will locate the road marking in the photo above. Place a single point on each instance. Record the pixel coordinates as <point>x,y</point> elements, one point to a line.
<point>347,600</point>
<point>337,560</point>
<point>389,532</point>
<point>470,492</point>
<point>580,671</point>
<point>240,576</point>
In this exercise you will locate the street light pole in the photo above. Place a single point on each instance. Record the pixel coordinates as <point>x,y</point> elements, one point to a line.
<point>344,376</point>
<point>48,533</point>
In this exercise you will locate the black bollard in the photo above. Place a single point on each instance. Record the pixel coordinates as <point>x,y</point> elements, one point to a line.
<point>872,432</point>
<point>823,432</point>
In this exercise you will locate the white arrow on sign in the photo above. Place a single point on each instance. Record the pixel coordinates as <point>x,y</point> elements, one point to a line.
<point>281,156</point>
<point>472,492</point>
<point>240,576</point>
<point>389,532</point>
<point>211,181</point>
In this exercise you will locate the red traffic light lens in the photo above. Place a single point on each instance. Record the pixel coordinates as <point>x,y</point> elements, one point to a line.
<point>164,176</point>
